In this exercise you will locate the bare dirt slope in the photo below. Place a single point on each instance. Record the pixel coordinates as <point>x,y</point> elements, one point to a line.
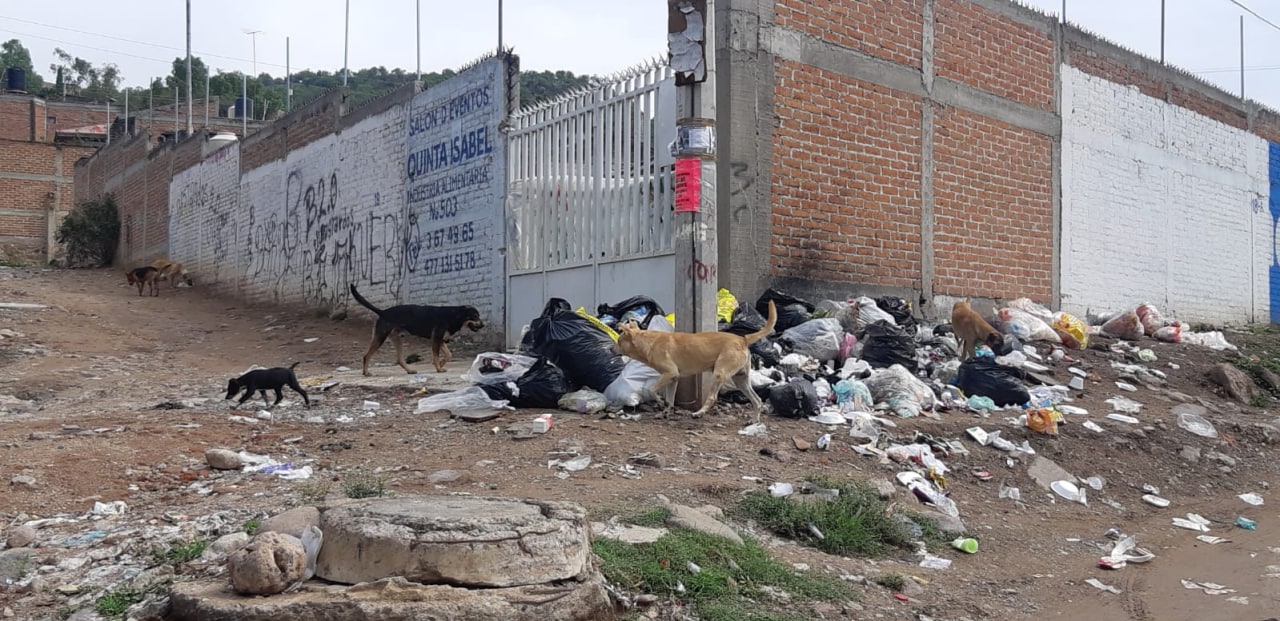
<point>86,374</point>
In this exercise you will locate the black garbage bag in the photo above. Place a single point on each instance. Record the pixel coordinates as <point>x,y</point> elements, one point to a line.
<point>792,311</point>
<point>795,399</point>
<point>578,347</point>
<point>985,377</point>
<point>553,306</point>
<point>541,386</point>
<point>900,308</point>
<point>650,306</point>
<point>884,345</point>
<point>745,321</point>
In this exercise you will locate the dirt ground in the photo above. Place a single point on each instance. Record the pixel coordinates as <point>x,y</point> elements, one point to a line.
<point>95,364</point>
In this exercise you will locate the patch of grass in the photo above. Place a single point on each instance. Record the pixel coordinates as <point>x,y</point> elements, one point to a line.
<point>113,604</point>
<point>1259,400</point>
<point>893,582</point>
<point>362,485</point>
<point>12,263</point>
<point>855,524</point>
<point>1203,327</point>
<point>315,492</point>
<point>251,526</point>
<point>412,358</point>
<point>1255,371</point>
<point>65,613</point>
<point>728,585</point>
<point>179,552</point>
<point>653,518</point>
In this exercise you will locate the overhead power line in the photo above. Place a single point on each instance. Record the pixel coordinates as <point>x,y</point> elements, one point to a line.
<point>125,40</point>
<point>1254,13</point>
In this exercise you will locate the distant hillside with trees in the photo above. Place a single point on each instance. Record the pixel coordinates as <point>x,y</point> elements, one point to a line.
<point>78,78</point>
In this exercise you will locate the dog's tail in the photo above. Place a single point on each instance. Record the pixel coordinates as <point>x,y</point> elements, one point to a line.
<point>363,302</point>
<point>291,367</point>
<point>768,325</point>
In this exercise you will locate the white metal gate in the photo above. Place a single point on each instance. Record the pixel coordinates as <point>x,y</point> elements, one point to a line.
<point>590,206</point>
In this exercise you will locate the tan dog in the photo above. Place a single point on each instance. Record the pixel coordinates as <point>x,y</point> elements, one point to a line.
<point>142,277</point>
<point>172,272</point>
<point>970,329</point>
<point>682,354</point>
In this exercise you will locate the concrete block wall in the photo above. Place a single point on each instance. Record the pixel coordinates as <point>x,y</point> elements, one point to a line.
<point>938,149</point>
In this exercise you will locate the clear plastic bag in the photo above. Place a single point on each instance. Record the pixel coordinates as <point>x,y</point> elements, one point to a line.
<point>820,339</point>
<point>468,399</point>
<point>584,402</point>
<point>863,312</point>
<point>634,385</point>
<point>496,368</point>
<point>1031,308</point>
<point>1026,326</point>
<point>905,394</point>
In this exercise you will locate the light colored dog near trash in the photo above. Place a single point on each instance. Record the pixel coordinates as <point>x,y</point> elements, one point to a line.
<point>683,354</point>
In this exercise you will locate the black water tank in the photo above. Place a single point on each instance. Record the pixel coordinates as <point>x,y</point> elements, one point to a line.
<point>240,108</point>
<point>15,80</point>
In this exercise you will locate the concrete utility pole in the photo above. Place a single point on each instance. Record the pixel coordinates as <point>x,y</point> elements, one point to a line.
<point>691,30</point>
<point>346,41</point>
<point>189,127</point>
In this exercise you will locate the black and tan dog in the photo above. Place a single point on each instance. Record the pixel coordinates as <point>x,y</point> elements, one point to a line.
<point>436,323</point>
<point>144,276</point>
<point>262,380</point>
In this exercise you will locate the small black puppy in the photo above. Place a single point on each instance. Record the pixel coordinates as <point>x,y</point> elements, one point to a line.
<point>262,380</point>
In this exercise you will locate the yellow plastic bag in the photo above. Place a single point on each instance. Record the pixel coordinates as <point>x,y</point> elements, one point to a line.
<point>672,319</point>
<point>1073,331</point>
<point>1044,420</point>
<point>599,324</point>
<point>725,305</point>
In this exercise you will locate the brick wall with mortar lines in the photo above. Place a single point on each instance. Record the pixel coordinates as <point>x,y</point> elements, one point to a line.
<point>846,187</point>
<point>1161,204</point>
<point>996,54</point>
<point>890,30</point>
<point>34,178</point>
<point>993,210</point>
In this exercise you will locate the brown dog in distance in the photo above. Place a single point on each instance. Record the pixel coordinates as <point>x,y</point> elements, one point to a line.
<point>970,329</point>
<point>172,272</point>
<point>144,276</point>
<point>683,354</point>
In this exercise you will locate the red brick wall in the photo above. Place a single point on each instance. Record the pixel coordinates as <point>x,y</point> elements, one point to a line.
<point>994,53</point>
<point>24,236</point>
<point>846,179</point>
<point>888,29</point>
<point>15,118</point>
<point>993,209</point>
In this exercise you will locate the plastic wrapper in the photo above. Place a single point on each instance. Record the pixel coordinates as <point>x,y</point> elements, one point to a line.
<point>1171,333</point>
<point>1043,420</point>
<point>639,308</point>
<point>861,313</point>
<point>613,334</point>
<point>1212,340</point>
<point>862,425</point>
<point>900,391</point>
<point>916,453</point>
<point>1150,318</point>
<point>726,305</point>
<point>818,338</point>
<point>633,386</point>
<point>1026,326</point>
<point>468,399</point>
<point>584,402</point>
<point>1125,326</point>
<point>1031,308</point>
<point>496,368</point>
<point>853,396</point>
<point>1073,333</point>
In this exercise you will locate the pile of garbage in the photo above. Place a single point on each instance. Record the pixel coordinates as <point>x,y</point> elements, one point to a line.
<point>859,362</point>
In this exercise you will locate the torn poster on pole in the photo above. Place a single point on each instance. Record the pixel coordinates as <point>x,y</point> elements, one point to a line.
<point>688,185</point>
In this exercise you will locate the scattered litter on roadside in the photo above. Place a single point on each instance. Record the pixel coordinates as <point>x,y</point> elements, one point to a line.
<point>756,430</point>
<point>1098,584</point>
<point>1252,498</point>
<point>1246,523</point>
<point>1127,387</point>
<point>310,339</point>
<point>935,562</point>
<point>1155,501</point>
<point>1125,551</point>
<point>1124,405</point>
<point>1069,491</point>
<point>1209,588</point>
<point>1211,540</point>
<point>1192,522</point>
<point>1121,418</point>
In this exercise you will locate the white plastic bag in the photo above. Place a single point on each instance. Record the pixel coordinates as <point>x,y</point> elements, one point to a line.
<point>502,368</point>
<point>901,391</point>
<point>585,401</point>
<point>1026,326</point>
<point>468,399</point>
<point>1212,340</point>
<point>312,540</point>
<point>633,386</point>
<point>818,338</point>
<point>1031,308</point>
<point>865,312</point>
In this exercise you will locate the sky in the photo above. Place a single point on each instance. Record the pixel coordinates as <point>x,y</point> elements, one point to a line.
<point>583,36</point>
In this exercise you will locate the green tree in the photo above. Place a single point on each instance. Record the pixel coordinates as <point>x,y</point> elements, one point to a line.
<point>88,80</point>
<point>14,54</point>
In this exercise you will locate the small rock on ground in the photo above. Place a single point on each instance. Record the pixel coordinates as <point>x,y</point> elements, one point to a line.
<point>20,537</point>
<point>291,522</point>
<point>223,459</point>
<point>1236,383</point>
<point>693,519</point>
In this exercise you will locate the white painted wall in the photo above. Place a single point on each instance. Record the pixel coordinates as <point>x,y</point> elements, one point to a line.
<point>1160,205</point>
<point>456,178</point>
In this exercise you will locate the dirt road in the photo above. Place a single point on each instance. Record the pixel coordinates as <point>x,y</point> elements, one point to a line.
<point>80,382</point>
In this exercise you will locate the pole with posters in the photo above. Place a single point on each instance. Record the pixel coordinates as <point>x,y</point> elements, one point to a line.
<point>691,41</point>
